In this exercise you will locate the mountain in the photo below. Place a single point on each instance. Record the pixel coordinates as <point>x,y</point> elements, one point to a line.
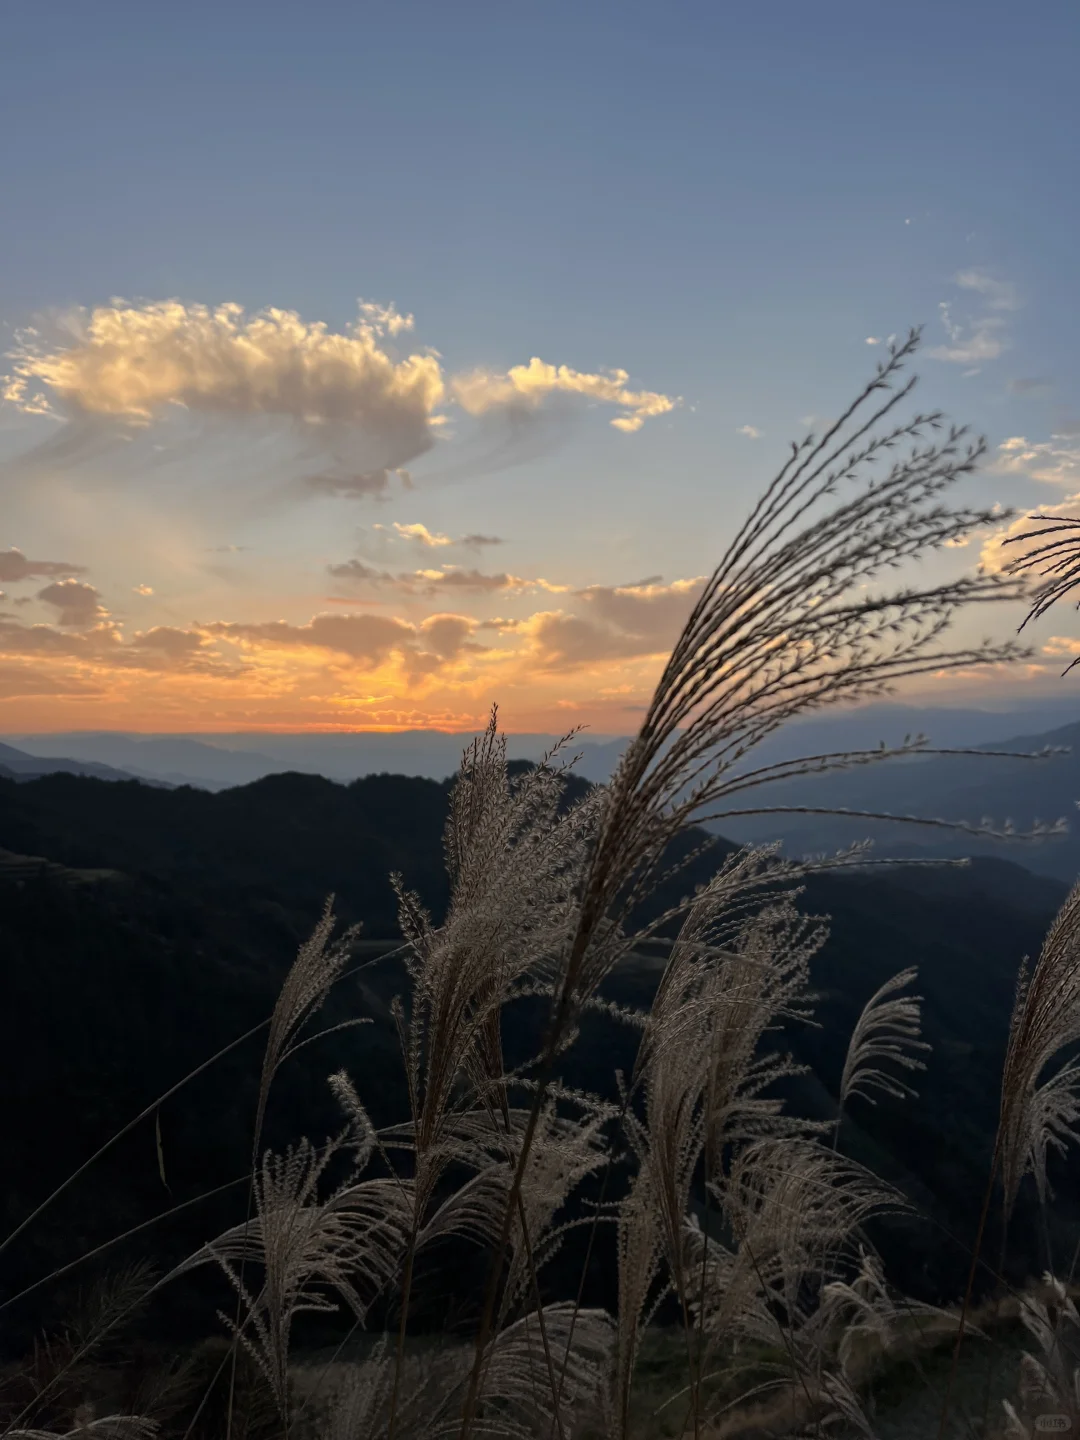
<point>949,787</point>
<point>163,921</point>
<point>19,765</point>
<point>218,760</point>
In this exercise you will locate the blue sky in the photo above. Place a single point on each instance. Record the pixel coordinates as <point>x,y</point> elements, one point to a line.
<point>724,201</point>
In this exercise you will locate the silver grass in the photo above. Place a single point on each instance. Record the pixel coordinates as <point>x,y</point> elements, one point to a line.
<point>1049,1381</point>
<point>1035,1114</point>
<point>788,1203</point>
<point>703,1077</point>
<point>312,1252</point>
<point>1038,1114</point>
<point>732,975</point>
<point>787,623</point>
<point>1056,560</point>
<point>318,964</point>
<point>864,1309</point>
<point>886,1034</point>
<point>516,1401</point>
<point>514,862</point>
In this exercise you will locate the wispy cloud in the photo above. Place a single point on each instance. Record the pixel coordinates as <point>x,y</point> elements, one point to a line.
<point>1028,385</point>
<point>971,343</point>
<point>1053,462</point>
<point>976,339</point>
<point>750,431</point>
<point>444,578</point>
<point>998,294</point>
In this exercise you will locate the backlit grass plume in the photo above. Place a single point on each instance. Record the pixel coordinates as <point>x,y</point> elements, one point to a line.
<point>886,1035</point>
<point>790,620</point>
<point>1056,559</point>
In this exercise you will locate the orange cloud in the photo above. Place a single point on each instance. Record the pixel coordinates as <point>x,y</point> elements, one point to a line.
<point>366,640</point>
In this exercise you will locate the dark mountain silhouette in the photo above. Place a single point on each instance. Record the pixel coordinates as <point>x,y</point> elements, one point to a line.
<point>143,929</point>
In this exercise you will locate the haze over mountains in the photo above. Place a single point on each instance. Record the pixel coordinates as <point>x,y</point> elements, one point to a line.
<point>215,761</point>
<point>954,788</point>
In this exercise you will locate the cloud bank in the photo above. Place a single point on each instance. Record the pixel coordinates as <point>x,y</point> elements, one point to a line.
<point>359,411</point>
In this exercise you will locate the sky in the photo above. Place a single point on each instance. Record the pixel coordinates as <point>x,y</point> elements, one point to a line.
<point>367,364</point>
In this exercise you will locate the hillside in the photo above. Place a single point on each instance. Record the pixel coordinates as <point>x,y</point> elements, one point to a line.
<point>112,990</point>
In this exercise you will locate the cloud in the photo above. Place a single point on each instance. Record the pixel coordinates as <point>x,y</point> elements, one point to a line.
<point>102,647</point>
<point>23,682</point>
<point>357,572</point>
<point>1054,462</point>
<point>998,294</point>
<point>14,566</point>
<point>980,338</point>
<point>528,386</point>
<point>168,640</point>
<point>434,539</point>
<point>129,362</point>
<point>619,621</point>
<point>367,640</point>
<point>433,580</point>
<point>422,535</point>
<point>1061,647</point>
<point>1028,385</point>
<point>142,589</point>
<point>454,578</point>
<point>364,484</point>
<point>341,411</point>
<point>873,340</point>
<point>1005,545</point>
<point>750,431</point>
<point>79,604</point>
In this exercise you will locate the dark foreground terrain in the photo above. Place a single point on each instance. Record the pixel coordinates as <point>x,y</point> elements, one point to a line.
<point>142,929</point>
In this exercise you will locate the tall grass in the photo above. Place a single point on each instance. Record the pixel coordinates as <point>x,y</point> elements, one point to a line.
<point>737,1218</point>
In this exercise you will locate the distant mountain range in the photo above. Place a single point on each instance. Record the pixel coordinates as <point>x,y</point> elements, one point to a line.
<point>19,765</point>
<point>216,761</point>
<point>965,788</point>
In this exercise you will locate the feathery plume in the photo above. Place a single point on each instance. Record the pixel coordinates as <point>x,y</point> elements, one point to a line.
<point>886,1033</point>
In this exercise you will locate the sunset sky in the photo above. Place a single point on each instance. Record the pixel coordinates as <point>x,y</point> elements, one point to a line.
<point>368,363</point>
